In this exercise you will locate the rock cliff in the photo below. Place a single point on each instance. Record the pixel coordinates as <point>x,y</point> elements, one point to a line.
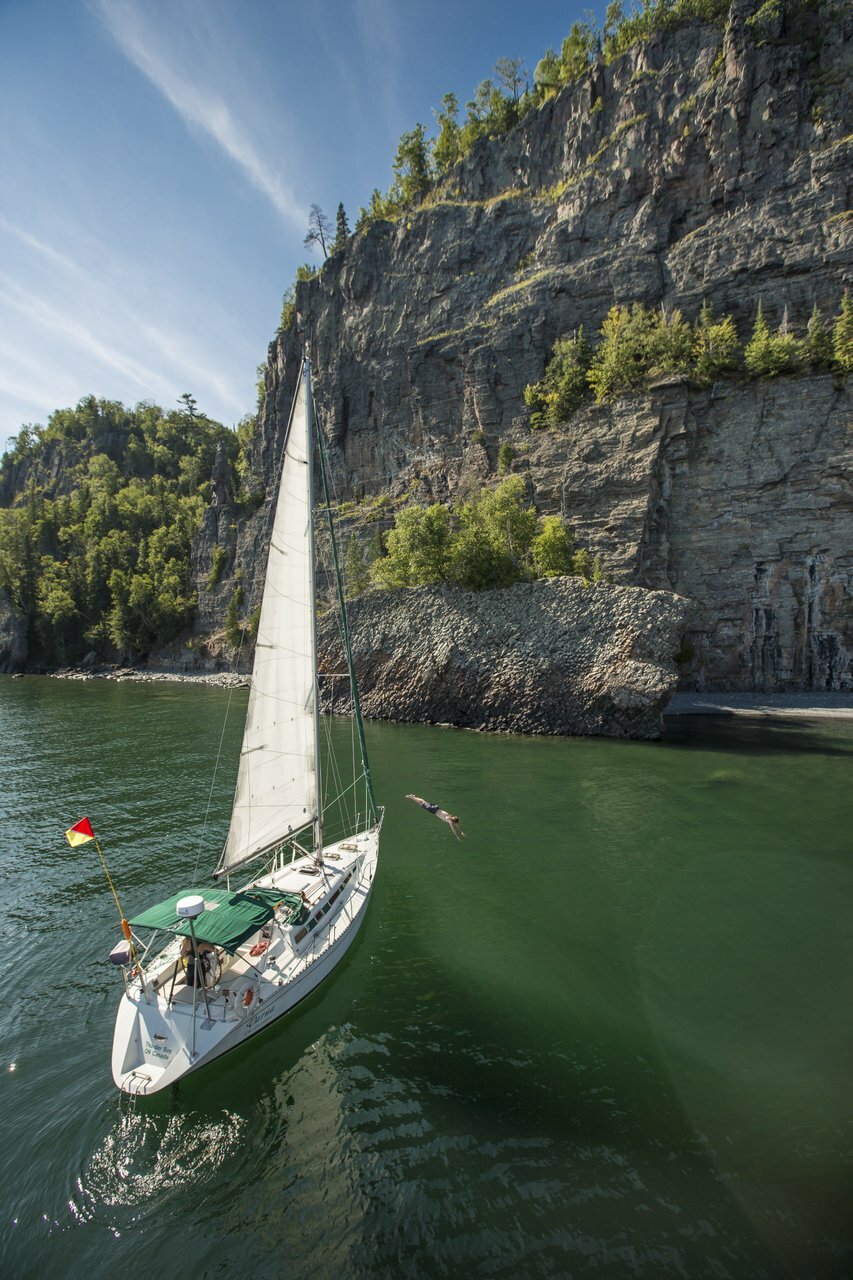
<point>551,657</point>
<point>738,498</point>
<point>699,166</point>
<point>13,636</point>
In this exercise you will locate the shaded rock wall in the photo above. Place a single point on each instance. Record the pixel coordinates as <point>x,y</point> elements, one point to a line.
<point>13,635</point>
<point>741,498</point>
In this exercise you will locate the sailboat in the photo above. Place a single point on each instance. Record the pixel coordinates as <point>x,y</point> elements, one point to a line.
<point>205,970</point>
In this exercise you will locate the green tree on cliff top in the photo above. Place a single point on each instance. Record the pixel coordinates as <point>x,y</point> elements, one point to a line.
<point>341,229</point>
<point>842,335</point>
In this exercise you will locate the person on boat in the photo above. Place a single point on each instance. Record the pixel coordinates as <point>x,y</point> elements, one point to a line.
<point>207,958</point>
<point>450,818</point>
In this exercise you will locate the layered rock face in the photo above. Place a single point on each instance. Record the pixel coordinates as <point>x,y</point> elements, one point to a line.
<point>551,657</point>
<point>696,167</point>
<point>739,498</point>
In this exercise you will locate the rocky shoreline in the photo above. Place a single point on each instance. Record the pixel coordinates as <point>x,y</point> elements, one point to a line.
<point>554,656</point>
<point>145,675</point>
<point>810,704</point>
<point>549,657</point>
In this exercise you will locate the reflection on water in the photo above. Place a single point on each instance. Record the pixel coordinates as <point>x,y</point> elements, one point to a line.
<point>144,1158</point>
<point>607,1034</point>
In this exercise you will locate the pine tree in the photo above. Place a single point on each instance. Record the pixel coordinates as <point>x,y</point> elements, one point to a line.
<point>758,353</point>
<point>446,148</point>
<point>546,76</point>
<point>818,343</point>
<point>788,351</point>
<point>341,230</point>
<point>614,17</point>
<point>411,167</point>
<point>670,343</point>
<point>190,405</point>
<point>624,355</point>
<point>288,313</point>
<point>715,346</point>
<point>577,52</point>
<point>564,388</point>
<point>842,335</point>
<point>768,354</point>
<point>233,630</point>
<point>379,207</point>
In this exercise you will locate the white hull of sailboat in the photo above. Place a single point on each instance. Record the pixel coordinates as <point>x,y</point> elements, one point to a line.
<point>168,1031</point>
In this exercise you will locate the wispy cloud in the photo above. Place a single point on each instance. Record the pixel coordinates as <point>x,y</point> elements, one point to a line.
<point>197,103</point>
<point>92,310</point>
<point>68,326</point>
<point>35,391</point>
<point>46,251</point>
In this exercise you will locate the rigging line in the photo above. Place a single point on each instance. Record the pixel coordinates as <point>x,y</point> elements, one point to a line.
<point>353,774</point>
<point>342,606</point>
<point>337,797</point>
<point>339,791</point>
<point>203,834</point>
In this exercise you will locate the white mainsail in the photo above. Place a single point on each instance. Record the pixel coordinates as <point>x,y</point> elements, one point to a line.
<point>277,787</point>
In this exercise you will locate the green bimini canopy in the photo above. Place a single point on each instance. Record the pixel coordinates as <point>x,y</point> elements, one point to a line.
<point>228,919</point>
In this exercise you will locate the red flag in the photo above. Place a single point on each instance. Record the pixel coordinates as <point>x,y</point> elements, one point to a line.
<point>80,832</point>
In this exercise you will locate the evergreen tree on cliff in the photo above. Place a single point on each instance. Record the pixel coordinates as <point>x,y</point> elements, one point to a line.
<point>818,341</point>
<point>411,167</point>
<point>341,229</point>
<point>842,335</point>
<point>447,148</point>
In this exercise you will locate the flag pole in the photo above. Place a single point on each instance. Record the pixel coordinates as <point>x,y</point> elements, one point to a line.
<point>124,924</point>
<point>81,833</point>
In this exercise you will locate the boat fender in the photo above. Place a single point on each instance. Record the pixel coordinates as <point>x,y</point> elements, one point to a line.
<point>248,998</point>
<point>120,953</point>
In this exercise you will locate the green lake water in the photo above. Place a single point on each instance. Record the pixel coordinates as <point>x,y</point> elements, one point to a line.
<point>608,1034</point>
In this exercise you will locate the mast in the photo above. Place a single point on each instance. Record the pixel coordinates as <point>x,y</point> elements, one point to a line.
<point>309,409</point>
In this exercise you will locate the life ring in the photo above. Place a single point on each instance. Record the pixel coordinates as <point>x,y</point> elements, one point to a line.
<point>260,947</point>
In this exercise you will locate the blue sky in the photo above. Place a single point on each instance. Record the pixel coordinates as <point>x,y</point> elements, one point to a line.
<point>159,158</point>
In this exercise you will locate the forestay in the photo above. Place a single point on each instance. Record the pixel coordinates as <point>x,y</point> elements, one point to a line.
<point>277,786</point>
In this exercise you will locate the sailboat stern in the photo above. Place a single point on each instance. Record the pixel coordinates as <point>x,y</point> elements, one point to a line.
<point>150,1051</point>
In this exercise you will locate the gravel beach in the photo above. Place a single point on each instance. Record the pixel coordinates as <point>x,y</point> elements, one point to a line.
<point>808,704</point>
